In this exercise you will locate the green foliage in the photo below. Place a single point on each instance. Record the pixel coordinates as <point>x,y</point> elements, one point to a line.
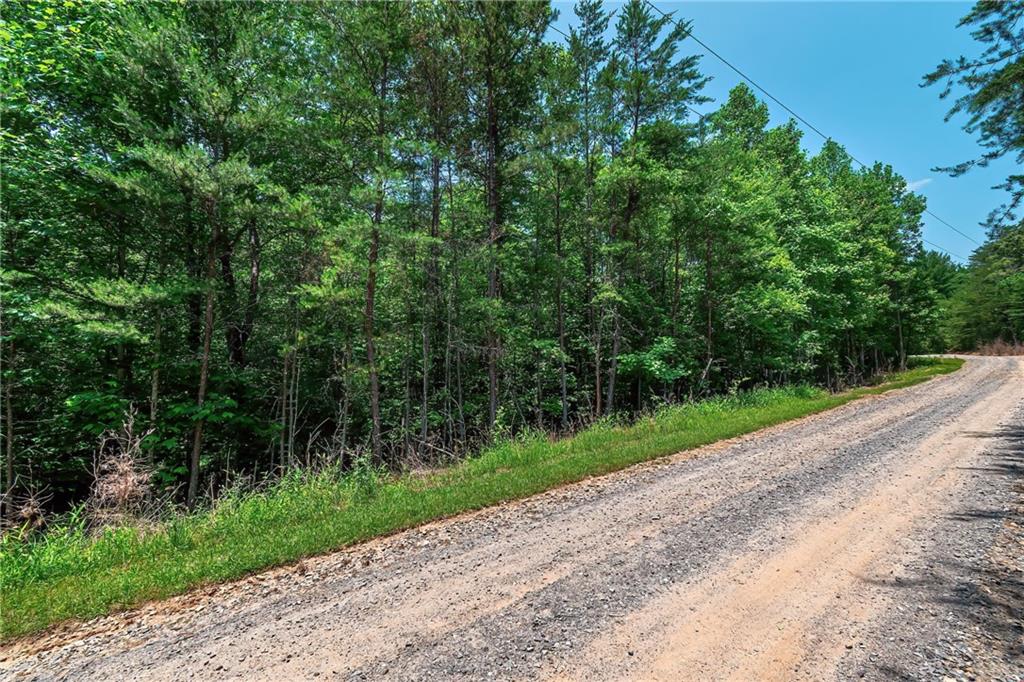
<point>95,412</point>
<point>988,303</point>
<point>215,212</point>
<point>661,363</point>
<point>985,303</point>
<point>989,90</point>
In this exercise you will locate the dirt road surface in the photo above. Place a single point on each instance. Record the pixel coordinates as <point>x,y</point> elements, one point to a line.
<point>880,540</point>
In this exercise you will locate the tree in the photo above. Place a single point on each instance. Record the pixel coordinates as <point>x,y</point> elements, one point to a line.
<point>993,84</point>
<point>295,233</point>
<point>989,304</point>
<point>589,52</point>
<point>436,96</point>
<point>374,39</point>
<point>500,44</point>
<point>645,83</point>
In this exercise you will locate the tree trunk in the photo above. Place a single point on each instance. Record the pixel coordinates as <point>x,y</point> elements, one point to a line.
<point>293,416</point>
<point>459,400</point>
<point>124,353</point>
<point>343,416</point>
<point>230,312</point>
<point>539,329</point>
<point>424,384</point>
<point>597,366</point>
<point>194,266</point>
<point>239,319</point>
<point>594,319</point>
<point>371,351</point>
<point>283,400</point>
<point>154,378</point>
<point>709,303</point>
<point>430,299</point>
<point>613,363</point>
<point>559,305</point>
<point>612,271</point>
<point>249,317</point>
<point>371,274</point>
<point>494,246</point>
<point>454,337</point>
<point>204,367</point>
<point>903,351</point>
<point>8,487</point>
<point>406,403</point>
<point>676,283</point>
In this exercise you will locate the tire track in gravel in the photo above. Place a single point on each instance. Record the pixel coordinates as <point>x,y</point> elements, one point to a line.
<point>567,583</point>
<point>778,618</point>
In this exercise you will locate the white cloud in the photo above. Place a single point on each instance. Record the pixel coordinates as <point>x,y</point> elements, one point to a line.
<point>915,185</point>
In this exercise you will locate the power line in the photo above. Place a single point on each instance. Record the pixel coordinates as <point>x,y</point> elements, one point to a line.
<point>775,99</point>
<point>952,228</point>
<point>560,31</point>
<point>742,75</point>
<point>949,253</point>
<point>701,116</point>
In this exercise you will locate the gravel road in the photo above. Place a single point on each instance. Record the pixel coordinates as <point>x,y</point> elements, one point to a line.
<point>880,540</point>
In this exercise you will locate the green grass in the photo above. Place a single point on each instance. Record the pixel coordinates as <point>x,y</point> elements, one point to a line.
<point>68,574</point>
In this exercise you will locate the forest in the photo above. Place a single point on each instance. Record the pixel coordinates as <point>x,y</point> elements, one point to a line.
<point>273,236</point>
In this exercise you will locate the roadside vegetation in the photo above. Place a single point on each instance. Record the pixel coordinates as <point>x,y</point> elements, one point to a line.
<point>309,248</point>
<point>294,232</point>
<point>982,304</point>
<point>73,570</point>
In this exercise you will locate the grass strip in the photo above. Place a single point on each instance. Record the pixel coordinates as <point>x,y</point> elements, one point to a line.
<point>68,573</point>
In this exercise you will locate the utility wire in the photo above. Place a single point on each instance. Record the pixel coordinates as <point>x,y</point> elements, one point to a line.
<point>949,253</point>
<point>701,116</point>
<point>689,34</point>
<point>775,99</point>
<point>952,228</point>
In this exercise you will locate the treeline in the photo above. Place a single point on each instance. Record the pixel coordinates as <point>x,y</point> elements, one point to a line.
<point>984,302</point>
<point>281,232</point>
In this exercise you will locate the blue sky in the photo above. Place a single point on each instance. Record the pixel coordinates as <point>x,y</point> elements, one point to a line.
<point>853,69</point>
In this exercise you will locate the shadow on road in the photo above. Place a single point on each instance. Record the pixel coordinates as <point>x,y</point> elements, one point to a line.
<point>976,574</point>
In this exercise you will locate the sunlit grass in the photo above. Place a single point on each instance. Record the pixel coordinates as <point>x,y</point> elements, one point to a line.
<point>67,573</point>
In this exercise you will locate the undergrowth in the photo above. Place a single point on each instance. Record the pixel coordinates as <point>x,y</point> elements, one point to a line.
<point>69,572</point>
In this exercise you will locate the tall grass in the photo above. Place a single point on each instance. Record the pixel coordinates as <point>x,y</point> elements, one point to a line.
<point>69,573</point>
